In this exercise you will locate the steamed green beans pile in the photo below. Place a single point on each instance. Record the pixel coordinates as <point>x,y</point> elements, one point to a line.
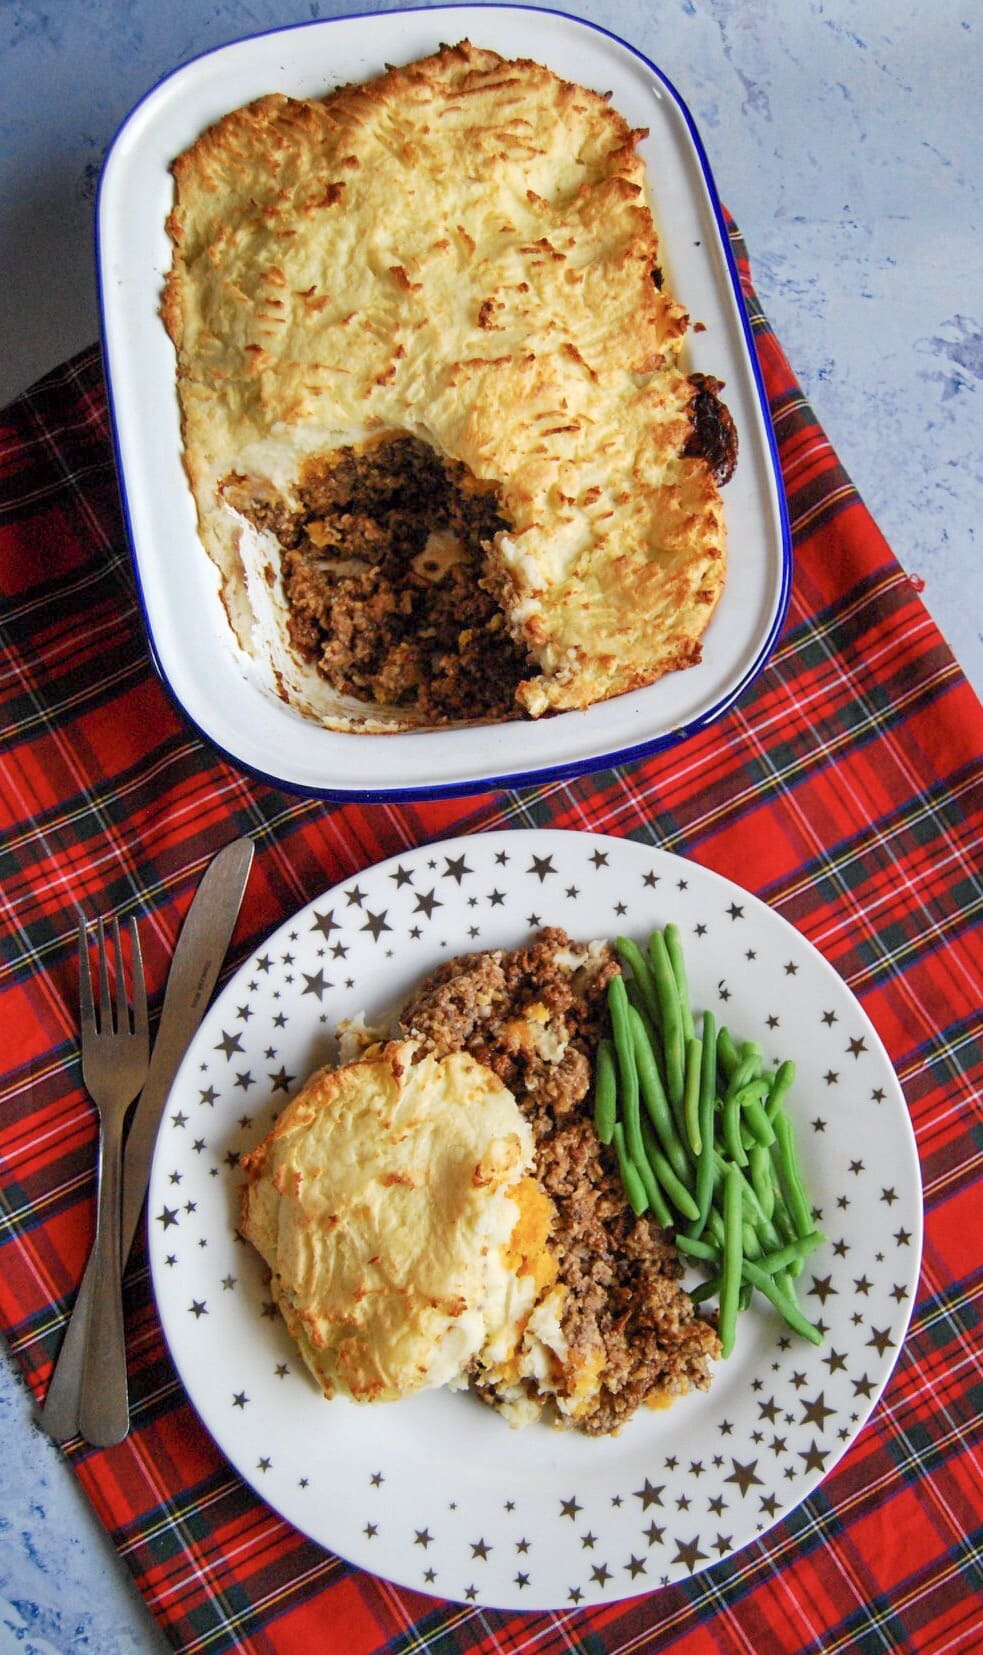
<point>702,1137</point>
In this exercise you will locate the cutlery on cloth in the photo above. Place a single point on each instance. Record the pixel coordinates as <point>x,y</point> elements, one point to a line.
<point>201,948</point>
<point>115,1059</point>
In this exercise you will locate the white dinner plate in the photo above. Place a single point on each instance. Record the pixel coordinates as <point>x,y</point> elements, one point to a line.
<point>437,1492</point>
<point>233,700</point>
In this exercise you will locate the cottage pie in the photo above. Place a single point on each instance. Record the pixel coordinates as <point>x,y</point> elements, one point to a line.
<point>440,1211</point>
<point>440,442</point>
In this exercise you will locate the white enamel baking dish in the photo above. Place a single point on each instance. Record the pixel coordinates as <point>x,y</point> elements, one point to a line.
<point>224,694</point>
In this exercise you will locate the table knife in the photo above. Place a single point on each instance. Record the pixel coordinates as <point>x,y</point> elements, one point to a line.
<point>201,948</point>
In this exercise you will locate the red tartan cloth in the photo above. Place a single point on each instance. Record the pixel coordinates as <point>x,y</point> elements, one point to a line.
<point>844,789</point>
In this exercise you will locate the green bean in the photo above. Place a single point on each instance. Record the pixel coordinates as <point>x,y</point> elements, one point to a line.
<point>744,1296</point>
<point>630,1177</point>
<point>784,1283</point>
<point>708,1066</point>
<point>733,1260</point>
<point>654,1097</point>
<point>715,1226</point>
<point>732,1131</point>
<point>656,1200</point>
<point>674,1188</point>
<point>788,1235</point>
<point>780,1082</point>
<point>706,1290</point>
<point>751,1049</point>
<point>605,1092</point>
<point>670,1017</point>
<point>782,1218</point>
<point>727,1054</point>
<point>748,1092</point>
<point>762,1178</point>
<point>624,1048</point>
<point>637,999</point>
<point>698,1249</point>
<point>642,974</point>
<point>741,1079</point>
<point>635,1148</point>
<point>674,949</point>
<point>778,1262</point>
<point>745,1072</point>
<point>783,1303</point>
<point>708,1079</point>
<point>760,1126</point>
<point>767,1232</point>
<point>643,1165</point>
<point>752,1246</point>
<point>691,1093</point>
<point>784,1228</point>
<point>623,1020</point>
<point>789,1175</point>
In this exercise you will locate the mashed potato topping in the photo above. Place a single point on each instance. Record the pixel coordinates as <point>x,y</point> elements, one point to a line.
<point>405,1241</point>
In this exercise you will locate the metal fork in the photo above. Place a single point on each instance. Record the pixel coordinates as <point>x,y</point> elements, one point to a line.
<point>115,1057</point>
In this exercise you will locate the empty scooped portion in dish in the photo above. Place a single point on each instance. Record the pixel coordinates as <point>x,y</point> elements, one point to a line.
<point>382,559</point>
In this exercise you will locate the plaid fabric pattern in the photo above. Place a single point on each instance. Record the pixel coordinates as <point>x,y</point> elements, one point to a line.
<point>844,789</point>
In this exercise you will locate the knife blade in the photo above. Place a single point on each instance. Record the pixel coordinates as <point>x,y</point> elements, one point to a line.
<point>201,948</point>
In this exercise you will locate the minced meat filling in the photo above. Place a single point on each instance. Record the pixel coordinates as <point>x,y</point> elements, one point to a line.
<point>622,1272</point>
<point>382,566</point>
<point>714,434</point>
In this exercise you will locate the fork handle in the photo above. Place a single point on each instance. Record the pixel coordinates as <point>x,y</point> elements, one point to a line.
<point>104,1409</point>
<point>59,1415</point>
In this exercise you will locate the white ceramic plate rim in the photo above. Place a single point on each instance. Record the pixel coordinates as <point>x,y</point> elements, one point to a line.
<point>190,641</point>
<point>440,1454</point>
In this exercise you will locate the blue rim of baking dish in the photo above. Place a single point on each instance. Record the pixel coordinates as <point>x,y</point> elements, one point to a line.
<point>543,773</point>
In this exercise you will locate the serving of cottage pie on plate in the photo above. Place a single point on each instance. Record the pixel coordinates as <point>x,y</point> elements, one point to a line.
<point>439,1210</point>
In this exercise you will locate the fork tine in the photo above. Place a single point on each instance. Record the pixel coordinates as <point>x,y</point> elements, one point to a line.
<point>121,1007</point>
<point>140,1020</point>
<point>105,1014</point>
<point>86,1008</point>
